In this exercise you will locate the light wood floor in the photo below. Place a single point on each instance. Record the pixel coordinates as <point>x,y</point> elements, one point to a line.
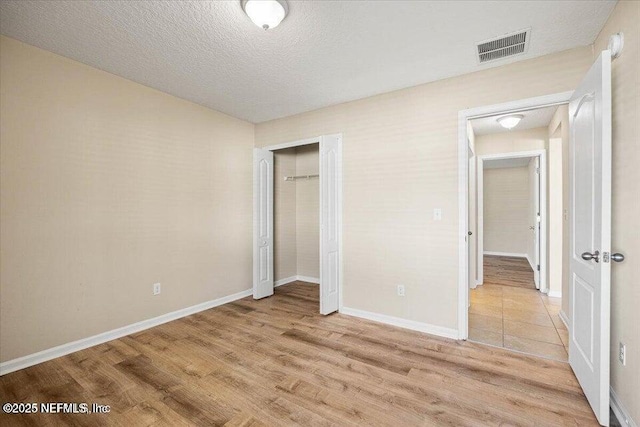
<point>277,362</point>
<point>507,311</point>
<point>508,271</point>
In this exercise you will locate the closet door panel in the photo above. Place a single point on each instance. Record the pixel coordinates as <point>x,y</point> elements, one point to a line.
<point>330,217</point>
<point>262,223</point>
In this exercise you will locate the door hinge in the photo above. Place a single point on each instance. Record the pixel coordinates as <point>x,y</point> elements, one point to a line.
<point>538,170</point>
<point>605,257</point>
<point>538,267</point>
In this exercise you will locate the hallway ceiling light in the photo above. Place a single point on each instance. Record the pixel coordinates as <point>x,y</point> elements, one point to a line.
<point>265,13</point>
<point>509,122</point>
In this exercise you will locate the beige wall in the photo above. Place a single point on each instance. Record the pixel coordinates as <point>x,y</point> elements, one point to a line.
<point>506,210</point>
<point>284,215</point>
<point>400,162</point>
<point>106,187</point>
<point>625,292</point>
<point>512,141</point>
<point>308,212</point>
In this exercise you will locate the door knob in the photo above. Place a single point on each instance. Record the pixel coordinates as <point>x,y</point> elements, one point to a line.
<point>469,233</point>
<point>617,257</point>
<point>532,227</point>
<point>588,256</point>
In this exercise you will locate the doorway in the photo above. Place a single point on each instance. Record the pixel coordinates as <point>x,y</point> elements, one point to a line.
<point>323,166</point>
<point>514,303</point>
<point>467,137</point>
<point>512,219</point>
<point>510,306</point>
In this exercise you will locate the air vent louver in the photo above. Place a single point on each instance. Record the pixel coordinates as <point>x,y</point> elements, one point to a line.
<point>505,46</point>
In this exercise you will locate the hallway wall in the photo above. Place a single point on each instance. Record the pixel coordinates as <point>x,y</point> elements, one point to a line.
<point>506,210</point>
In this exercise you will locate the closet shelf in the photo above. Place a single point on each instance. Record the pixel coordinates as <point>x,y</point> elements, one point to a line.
<point>294,178</point>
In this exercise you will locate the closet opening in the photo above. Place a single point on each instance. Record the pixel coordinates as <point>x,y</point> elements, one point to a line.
<point>296,220</point>
<point>297,201</point>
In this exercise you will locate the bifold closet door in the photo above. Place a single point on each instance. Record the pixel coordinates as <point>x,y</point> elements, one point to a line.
<point>262,223</point>
<point>330,208</point>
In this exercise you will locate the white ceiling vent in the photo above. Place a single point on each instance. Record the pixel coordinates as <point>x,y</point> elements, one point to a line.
<point>502,47</point>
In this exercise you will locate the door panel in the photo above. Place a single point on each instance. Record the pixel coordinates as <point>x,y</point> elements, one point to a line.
<point>584,315</point>
<point>262,223</point>
<point>330,208</point>
<point>590,228</point>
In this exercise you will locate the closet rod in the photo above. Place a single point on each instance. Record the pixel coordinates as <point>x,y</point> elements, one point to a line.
<point>293,178</point>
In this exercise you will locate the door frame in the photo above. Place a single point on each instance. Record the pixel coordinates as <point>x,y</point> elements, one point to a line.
<point>542,155</point>
<point>463,187</point>
<point>318,140</point>
<point>472,239</point>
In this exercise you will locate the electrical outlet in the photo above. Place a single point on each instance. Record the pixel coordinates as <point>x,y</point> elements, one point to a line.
<point>622,354</point>
<point>156,289</point>
<point>400,290</point>
<point>437,214</point>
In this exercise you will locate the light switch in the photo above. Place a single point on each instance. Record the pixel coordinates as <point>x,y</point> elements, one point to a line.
<point>437,214</point>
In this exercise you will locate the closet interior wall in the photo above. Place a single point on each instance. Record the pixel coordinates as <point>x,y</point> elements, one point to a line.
<point>296,213</point>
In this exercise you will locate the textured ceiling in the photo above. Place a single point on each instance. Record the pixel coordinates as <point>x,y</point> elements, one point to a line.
<point>323,53</point>
<point>538,118</point>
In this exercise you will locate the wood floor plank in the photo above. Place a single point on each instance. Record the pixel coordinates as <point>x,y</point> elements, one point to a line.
<point>276,361</point>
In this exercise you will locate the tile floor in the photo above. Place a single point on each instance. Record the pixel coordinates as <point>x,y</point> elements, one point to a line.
<point>516,317</point>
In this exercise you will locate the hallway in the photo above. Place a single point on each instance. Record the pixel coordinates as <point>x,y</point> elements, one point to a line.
<point>507,311</point>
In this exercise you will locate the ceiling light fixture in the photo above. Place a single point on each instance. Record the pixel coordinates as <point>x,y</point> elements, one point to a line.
<point>265,13</point>
<point>509,122</point>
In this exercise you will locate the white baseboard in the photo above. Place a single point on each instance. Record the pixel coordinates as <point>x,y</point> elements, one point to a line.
<point>64,349</point>
<point>295,279</point>
<point>285,281</point>
<point>509,254</point>
<point>555,294</point>
<point>530,263</point>
<point>619,409</point>
<point>564,318</point>
<point>402,323</point>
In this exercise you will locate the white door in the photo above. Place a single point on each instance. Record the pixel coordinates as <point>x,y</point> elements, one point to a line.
<point>590,192</point>
<point>330,208</point>
<point>262,223</point>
